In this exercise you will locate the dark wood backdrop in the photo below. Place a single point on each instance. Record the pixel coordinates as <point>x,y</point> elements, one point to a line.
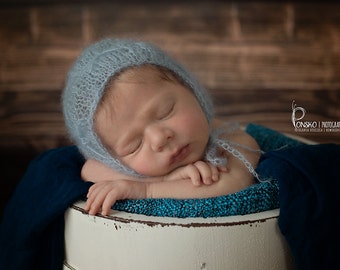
<point>254,57</point>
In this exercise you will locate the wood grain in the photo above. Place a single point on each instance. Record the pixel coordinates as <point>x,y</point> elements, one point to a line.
<point>254,57</point>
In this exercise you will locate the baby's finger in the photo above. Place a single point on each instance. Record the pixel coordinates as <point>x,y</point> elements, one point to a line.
<point>91,195</point>
<point>194,175</point>
<point>92,208</point>
<point>95,201</point>
<point>94,189</point>
<point>109,200</point>
<point>215,174</point>
<point>205,172</point>
<point>89,200</point>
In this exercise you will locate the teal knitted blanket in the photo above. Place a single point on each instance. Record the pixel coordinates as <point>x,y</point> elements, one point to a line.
<point>256,198</point>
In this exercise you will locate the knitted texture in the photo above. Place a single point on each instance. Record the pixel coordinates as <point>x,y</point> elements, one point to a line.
<point>254,199</point>
<point>90,75</point>
<point>216,143</point>
<point>257,198</point>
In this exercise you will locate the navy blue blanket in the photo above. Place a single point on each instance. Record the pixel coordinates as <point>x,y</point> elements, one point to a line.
<point>32,231</point>
<point>309,199</point>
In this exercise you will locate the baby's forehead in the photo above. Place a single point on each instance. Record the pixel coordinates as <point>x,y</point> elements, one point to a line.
<point>147,73</point>
<point>142,73</point>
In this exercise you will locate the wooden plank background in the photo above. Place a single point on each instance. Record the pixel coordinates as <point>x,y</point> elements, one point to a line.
<point>254,57</point>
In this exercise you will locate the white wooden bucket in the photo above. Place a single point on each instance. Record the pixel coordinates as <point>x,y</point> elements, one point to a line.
<point>130,241</point>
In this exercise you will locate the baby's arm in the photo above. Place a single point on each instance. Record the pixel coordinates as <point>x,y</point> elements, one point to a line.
<point>198,172</point>
<point>111,185</point>
<point>103,194</point>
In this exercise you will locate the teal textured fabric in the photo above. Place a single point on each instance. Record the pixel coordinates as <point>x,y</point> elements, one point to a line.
<point>257,198</point>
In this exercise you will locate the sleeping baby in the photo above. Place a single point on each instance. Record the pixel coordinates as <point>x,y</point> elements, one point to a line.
<point>146,128</point>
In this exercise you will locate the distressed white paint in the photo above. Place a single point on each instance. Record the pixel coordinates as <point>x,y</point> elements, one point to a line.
<point>128,241</point>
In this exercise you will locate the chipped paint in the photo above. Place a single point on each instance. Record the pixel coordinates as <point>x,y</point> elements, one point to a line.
<point>165,224</point>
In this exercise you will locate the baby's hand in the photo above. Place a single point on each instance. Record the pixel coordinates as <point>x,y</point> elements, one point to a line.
<point>207,173</point>
<point>102,195</point>
<point>199,172</point>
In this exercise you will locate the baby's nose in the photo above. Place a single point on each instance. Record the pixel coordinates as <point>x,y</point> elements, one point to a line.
<point>158,137</point>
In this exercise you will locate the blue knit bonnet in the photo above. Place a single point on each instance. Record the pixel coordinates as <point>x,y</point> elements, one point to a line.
<point>88,78</point>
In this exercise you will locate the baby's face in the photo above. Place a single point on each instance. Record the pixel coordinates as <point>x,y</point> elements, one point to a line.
<point>151,124</point>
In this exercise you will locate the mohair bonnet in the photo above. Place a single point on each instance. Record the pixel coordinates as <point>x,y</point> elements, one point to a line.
<point>88,78</point>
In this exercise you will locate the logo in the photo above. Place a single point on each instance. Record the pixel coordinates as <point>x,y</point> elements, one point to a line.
<point>295,111</point>
<point>299,113</point>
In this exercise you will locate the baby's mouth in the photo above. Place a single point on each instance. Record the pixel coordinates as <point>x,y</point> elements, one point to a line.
<point>180,154</point>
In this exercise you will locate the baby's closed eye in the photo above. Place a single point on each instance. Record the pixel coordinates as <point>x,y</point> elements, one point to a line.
<point>165,110</point>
